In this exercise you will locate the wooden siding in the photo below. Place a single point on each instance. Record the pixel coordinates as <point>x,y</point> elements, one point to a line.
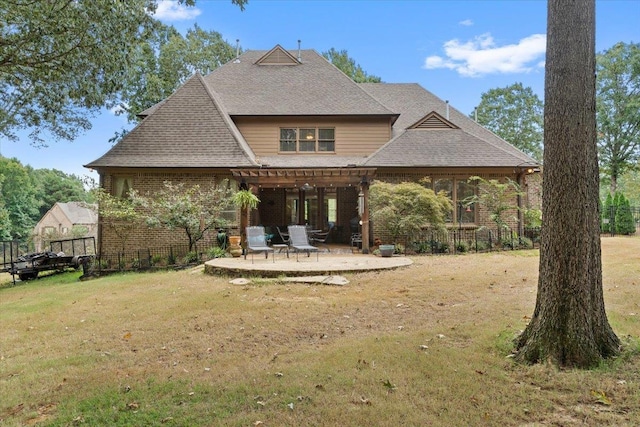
<point>354,136</point>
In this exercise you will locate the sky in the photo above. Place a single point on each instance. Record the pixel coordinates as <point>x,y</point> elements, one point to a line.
<point>458,50</point>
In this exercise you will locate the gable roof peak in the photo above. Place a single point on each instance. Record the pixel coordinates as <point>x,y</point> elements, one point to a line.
<point>433,120</point>
<point>278,56</point>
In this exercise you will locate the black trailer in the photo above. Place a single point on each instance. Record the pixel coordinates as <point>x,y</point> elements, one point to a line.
<point>62,254</point>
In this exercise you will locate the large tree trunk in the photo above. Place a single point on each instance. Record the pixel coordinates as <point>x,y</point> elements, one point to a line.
<point>569,326</point>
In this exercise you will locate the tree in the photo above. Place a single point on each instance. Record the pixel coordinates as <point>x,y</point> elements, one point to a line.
<point>165,61</point>
<point>497,198</point>
<point>629,184</point>
<point>5,223</point>
<point>514,113</point>
<point>624,218</point>
<point>569,326</point>
<point>53,186</point>
<point>193,209</point>
<point>348,66</point>
<point>119,214</point>
<point>406,208</point>
<point>19,197</point>
<point>608,213</point>
<point>618,109</point>
<point>61,60</point>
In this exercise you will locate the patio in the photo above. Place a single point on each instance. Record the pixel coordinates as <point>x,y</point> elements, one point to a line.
<point>339,260</point>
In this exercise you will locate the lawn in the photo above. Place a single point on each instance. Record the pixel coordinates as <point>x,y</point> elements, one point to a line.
<point>425,345</point>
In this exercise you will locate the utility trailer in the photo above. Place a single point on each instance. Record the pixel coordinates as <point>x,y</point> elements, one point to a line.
<point>62,254</point>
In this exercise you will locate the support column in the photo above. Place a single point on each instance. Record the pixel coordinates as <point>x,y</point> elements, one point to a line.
<point>364,187</point>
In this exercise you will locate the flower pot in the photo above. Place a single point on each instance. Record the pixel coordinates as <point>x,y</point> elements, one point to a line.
<point>387,250</point>
<point>234,246</point>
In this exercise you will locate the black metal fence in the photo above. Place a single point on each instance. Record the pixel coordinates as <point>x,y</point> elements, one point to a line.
<point>173,256</point>
<point>463,241</point>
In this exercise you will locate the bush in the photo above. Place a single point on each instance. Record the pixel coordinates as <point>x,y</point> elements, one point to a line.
<point>462,247</point>
<point>191,257</point>
<point>216,252</point>
<point>156,259</point>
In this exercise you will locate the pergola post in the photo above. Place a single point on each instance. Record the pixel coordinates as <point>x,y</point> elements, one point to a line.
<point>364,190</point>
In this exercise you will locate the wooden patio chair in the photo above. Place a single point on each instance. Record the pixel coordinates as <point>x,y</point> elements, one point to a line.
<point>256,242</point>
<point>299,240</point>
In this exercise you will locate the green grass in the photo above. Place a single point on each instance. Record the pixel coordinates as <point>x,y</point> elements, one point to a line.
<point>425,345</point>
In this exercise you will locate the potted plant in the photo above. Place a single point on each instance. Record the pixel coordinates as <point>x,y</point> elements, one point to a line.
<point>245,200</point>
<point>404,209</point>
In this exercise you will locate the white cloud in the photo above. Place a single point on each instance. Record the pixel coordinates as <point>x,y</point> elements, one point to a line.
<point>170,10</point>
<point>481,56</point>
<point>466,23</point>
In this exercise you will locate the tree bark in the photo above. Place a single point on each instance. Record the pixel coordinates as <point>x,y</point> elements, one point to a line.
<point>569,326</point>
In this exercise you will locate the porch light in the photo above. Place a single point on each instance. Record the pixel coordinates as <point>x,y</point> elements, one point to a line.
<point>306,187</point>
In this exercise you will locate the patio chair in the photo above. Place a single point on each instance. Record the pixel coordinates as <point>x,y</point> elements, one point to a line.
<point>322,238</point>
<point>299,240</point>
<point>356,242</point>
<point>283,236</point>
<point>256,242</point>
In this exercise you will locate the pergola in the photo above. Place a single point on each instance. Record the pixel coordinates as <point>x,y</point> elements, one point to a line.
<point>320,178</point>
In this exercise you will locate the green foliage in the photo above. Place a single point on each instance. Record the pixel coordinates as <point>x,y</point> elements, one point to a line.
<point>629,184</point>
<point>532,217</point>
<point>165,61</point>
<point>63,60</point>
<point>19,197</point>
<point>193,209</point>
<point>497,197</point>
<point>216,252</point>
<point>26,194</point>
<point>624,221</point>
<point>607,214</point>
<point>191,257</point>
<point>618,109</point>
<point>119,214</point>
<point>348,66</point>
<point>515,114</point>
<point>406,208</point>
<point>245,199</point>
<point>617,213</point>
<point>56,186</point>
<point>462,247</point>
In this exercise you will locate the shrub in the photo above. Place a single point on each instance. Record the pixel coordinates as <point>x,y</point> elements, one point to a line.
<point>216,252</point>
<point>191,257</point>
<point>462,247</point>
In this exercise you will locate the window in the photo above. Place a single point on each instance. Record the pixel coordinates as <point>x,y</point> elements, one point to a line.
<point>230,212</point>
<point>122,185</point>
<point>307,140</point>
<point>288,138</point>
<point>466,211</point>
<point>446,185</point>
<point>326,140</point>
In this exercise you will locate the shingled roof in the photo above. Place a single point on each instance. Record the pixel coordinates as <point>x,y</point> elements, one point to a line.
<point>79,213</point>
<point>313,87</point>
<point>469,146</point>
<point>188,129</point>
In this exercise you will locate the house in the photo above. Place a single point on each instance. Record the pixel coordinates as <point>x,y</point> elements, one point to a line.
<point>308,141</point>
<point>66,220</point>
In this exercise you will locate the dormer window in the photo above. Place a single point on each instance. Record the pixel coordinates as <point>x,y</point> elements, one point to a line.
<point>307,140</point>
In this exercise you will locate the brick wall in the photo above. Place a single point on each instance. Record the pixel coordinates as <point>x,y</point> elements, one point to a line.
<point>140,235</point>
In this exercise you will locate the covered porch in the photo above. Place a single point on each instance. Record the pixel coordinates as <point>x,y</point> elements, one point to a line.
<point>328,199</point>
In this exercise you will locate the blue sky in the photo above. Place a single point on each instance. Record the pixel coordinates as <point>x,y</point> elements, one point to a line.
<point>455,49</point>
